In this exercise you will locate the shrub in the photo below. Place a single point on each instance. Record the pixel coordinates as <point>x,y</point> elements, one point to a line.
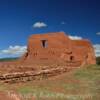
<point>98,60</point>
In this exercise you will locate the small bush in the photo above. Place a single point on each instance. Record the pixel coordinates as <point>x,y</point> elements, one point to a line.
<point>98,60</point>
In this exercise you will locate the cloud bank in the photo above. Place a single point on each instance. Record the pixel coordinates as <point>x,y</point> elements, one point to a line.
<point>97,50</point>
<point>13,51</point>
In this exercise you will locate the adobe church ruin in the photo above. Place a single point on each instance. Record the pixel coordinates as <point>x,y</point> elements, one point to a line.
<point>58,48</point>
<point>48,55</point>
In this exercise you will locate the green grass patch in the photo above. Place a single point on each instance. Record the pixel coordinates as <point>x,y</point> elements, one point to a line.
<point>8,59</point>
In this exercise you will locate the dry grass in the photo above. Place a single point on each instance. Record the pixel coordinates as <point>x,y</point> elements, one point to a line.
<point>80,84</point>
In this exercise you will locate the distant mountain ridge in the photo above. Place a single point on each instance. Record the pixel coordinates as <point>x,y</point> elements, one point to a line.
<point>8,59</point>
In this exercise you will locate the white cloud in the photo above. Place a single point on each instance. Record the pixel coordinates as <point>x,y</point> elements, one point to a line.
<point>75,37</point>
<point>14,51</point>
<point>63,23</point>
<point>98,33</point>
<point>97,49</point>
<point>39,25</point>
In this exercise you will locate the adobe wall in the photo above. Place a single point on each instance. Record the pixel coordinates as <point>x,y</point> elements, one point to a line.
<point>87,50</point>
<point>58,48</point>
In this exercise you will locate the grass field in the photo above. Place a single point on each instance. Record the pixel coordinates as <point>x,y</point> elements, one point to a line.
<point>79,84</point>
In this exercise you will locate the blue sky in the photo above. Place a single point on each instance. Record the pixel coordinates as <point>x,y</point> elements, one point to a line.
<point>76,17</point>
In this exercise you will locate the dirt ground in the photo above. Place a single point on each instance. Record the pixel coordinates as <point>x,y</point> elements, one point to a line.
<point>7,96</point>
<point>79,84</point>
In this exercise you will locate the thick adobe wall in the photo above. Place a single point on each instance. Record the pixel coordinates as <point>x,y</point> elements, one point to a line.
<point>53,40</point>
<point>58,48</point>
<point>55,45</point>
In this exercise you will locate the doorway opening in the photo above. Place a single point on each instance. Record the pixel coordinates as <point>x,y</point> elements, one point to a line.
<point>71,58</point>
<point>44,43</point>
